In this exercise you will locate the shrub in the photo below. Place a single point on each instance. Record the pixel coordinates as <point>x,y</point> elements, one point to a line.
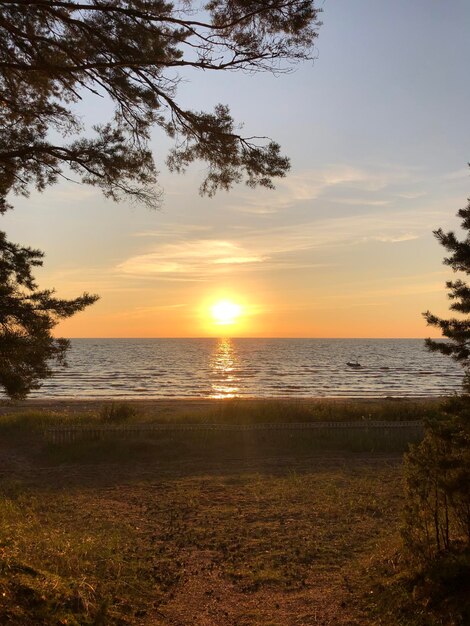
<point>437,479</point>
<point>117,413</point>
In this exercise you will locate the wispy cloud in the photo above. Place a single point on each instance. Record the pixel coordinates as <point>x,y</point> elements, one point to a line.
<point>350,185</point>
<point>343,231</point>
<point>360,201</point>
<point>395,238</point>
<point>237,260</point>
<point>190,258</point>
<point>411,195</point>
<point>273,248</point>
<point>174,231</point>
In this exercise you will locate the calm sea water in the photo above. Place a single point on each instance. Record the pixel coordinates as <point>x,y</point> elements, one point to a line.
<point>217,368</point>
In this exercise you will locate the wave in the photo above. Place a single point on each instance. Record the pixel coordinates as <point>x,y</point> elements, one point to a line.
<point>169,368</point>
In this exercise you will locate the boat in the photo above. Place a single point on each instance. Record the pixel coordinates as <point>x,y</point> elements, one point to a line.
<point>354,364</point>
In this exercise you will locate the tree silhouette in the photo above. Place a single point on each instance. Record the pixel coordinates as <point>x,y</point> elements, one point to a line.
<point>437,470</point>
<point>27,317</point>
<point>456,330</point>
<point>53,53</point>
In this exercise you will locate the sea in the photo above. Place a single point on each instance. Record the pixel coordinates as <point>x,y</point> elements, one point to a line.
<point>270,368</point>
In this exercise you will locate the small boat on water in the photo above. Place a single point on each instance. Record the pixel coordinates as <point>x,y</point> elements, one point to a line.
<point>354,364</point>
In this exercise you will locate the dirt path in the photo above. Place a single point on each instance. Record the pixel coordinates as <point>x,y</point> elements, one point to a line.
<point>206,598</point>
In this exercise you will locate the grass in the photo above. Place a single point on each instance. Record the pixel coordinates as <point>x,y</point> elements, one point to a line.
<point>404,594</point>
<point>229,411</point>
<point>246,411</point>
<point>165,549</point>
<point>56,567</point>
<point>245,528</point>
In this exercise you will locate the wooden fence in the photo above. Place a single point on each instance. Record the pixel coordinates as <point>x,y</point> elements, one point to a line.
<point>69,434</point>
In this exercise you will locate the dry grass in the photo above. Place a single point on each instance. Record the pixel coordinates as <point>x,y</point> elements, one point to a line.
<point>225,531</point>
<point>243,411</point>
<point>252,545</point>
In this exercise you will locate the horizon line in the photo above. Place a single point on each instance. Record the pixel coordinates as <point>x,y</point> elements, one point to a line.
<point>261,337</point>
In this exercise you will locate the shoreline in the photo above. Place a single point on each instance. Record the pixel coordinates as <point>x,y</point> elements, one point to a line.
<point>170,405</point>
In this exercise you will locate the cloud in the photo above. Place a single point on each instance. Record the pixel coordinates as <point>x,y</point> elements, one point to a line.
<point>281,247</point>
<point>344,180</point>
<point>395,238</point>
<point>342,231</point>
<point>411,195</point>
<point>236,260</point>
<point>174,230</point>
<point>197,258</point>
<point>360,201</point>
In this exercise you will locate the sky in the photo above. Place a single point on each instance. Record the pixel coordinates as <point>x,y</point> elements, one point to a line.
<point>377,129</point>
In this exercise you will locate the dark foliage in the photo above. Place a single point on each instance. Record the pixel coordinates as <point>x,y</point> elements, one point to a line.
<point>455,329</point>
<point>437,475</point>
<point>27,317</point>
<point>54,52</point>
<point>437,471</point>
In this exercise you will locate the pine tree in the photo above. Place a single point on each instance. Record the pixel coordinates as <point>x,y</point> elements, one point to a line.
<point>27,317</point>
<point>437,470</point>
<point>53,52</point>
<point>456,330</point>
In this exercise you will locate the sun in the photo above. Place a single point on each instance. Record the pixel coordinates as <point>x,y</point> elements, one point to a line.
<point>225,312</point>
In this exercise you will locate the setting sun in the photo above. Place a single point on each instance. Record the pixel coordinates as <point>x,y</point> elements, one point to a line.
<point>225,312</point>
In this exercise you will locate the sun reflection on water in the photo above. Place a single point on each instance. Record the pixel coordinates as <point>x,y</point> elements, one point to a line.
<point>224,364</point>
